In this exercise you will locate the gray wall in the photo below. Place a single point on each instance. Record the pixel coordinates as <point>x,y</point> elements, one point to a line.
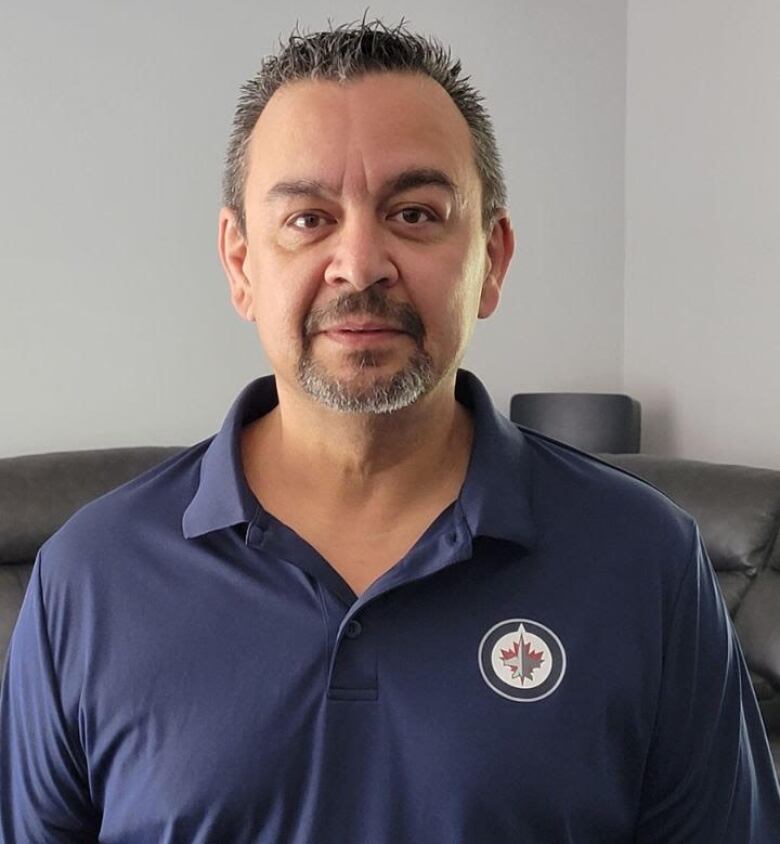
<point>115,324</point>
<point>702,246</point>
<point>640,144</point>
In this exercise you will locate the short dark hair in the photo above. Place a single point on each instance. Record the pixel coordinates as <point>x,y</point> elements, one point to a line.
<point>348,52</point>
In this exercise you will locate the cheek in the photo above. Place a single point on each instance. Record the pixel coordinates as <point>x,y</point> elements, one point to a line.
<point>446,315</point>
<point>284,295</point>
<point>456,300</point>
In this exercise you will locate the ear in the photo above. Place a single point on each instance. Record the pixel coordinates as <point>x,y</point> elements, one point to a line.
<point>500,247</point>
<point>232,248</point>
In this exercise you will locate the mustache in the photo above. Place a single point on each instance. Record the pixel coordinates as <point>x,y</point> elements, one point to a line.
<point>369,302</point>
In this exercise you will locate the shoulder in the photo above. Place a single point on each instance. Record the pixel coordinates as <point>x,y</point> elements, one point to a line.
<point>96,535</point>
<point>607,501</point>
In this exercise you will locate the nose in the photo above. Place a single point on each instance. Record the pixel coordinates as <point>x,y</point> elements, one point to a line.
<point>361,255</point>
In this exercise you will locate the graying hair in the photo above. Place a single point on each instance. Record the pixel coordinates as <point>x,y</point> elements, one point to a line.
<point>348,52</point>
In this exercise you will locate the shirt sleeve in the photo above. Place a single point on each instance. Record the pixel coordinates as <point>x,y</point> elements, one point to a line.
<point>43,793</point>
<point>709,774</point>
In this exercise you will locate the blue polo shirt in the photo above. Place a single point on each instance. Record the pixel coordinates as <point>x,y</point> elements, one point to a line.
<point>551,662</point>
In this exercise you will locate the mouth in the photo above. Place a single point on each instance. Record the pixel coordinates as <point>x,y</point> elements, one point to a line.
<point>361,335</point>
<point>364,326</point>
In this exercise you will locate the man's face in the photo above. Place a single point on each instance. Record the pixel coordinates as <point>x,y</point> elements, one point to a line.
<point>364,263</point>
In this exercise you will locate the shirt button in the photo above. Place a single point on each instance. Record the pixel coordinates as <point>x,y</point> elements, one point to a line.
<point>354,629</point>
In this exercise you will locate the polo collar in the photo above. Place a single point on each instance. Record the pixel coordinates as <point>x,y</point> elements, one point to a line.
<point>495,499</point>
<point>223,497</point>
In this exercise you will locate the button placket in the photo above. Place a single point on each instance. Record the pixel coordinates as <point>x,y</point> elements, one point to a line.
<point>354,671</point>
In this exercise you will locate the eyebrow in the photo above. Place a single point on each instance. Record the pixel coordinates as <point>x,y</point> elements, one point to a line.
<point>406,180</point>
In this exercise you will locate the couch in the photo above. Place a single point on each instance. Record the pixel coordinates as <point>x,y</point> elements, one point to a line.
<point>736,507</point>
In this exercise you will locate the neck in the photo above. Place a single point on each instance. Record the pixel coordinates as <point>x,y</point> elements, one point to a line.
<point>362,463</point>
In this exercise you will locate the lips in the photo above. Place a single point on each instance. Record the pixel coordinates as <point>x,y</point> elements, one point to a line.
<point>360,327</point>
<point>360,335</point>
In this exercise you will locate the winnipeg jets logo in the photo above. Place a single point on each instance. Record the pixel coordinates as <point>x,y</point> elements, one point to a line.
<point>521,659</point>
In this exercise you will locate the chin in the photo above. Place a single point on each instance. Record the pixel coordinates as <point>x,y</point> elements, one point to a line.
<point>372,386</point>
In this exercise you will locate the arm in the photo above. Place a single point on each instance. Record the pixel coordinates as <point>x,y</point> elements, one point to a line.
<point>709,774</point>
<point>43,792</point>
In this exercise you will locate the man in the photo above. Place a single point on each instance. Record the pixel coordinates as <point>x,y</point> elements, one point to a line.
<point>370,609</point>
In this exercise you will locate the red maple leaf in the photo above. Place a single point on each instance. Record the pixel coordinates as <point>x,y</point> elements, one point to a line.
<point>522,660</point>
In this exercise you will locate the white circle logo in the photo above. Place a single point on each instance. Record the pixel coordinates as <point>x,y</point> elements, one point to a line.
<point>521,659</point>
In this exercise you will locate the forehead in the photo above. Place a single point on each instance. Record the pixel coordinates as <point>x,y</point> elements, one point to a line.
<point>355,134</point>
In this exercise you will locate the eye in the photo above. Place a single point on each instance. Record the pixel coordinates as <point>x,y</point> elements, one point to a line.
<point>307,221</point>
<point>412,215</point>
